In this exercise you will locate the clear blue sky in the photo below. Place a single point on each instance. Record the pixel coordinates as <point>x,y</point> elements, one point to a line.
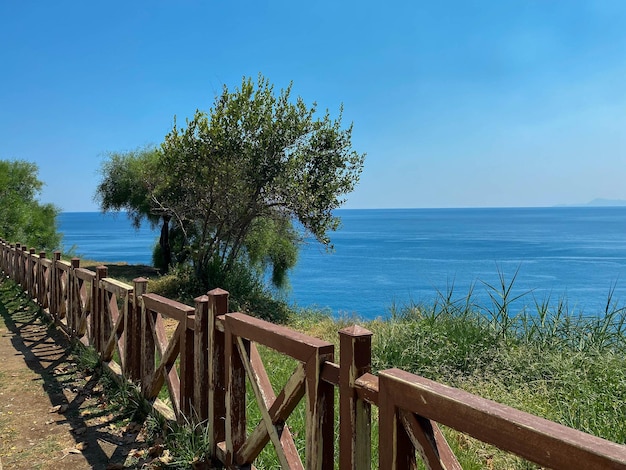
<point>456,103</point>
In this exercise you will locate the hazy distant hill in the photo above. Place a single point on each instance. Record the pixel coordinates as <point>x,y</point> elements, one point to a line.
<point>607,202</point>
<point>598,202</point>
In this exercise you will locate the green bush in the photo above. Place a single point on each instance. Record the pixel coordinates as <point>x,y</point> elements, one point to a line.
<point>247,292</point>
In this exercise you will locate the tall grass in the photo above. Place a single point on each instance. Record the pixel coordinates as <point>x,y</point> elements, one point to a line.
<point>547,360</point>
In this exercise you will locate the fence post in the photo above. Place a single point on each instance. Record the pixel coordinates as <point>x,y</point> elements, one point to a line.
<point>216,400</point>
<point>201,355</point>
<point>395,450</point>
<point>320,412</point>
<point>30,280</point>
<point>41,280</point>
<point>16,266</point>
<point>235,395</point>
<point>28,260</point>
<point>11,262</point>
<point>133,330</point>
<point>147,349</point>
<point>100,335</point>
<point>355,359</point>
<point>19,263</point>
<point>23,267</point>
<point>2,254</point>
<point>187,362</point>
<point>55,285</point>
<point>16,263</point>
<point>73,297</point>
<point>6,263</point>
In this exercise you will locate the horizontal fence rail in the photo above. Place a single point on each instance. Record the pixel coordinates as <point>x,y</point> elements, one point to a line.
<point>194,364</point>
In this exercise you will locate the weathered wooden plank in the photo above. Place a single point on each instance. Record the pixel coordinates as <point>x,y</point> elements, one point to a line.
<point>168,350</point>
<point>355,355</point>
<point>63,265</point>
<point>278,337</point>
<point>85,305</point>
<point>220,323</point>
<point>319,412</point>
<point>536,439</point>
<point>201,357</point>
<point>84,274</point>
<point>366,388</point>
<point>115,319</point>
<point>62,270</point>
<point>133,330</point>
<point>98,324</point>
<point>120,289</point>
<point>235,397</point>
<point>147,348</point>
<point>168,363</point>
<point>285,448</point>
<point>218,306</point>
<point>170,308</point>
<point>161,340</point>
<point>163,372</point>
<point>279,411</point>
<point>187,366</point>
<point>428,440</point>
<point>73,300</point>
<point>395,450</point>
<point>330,372</point>
<point>46,282</point>
<point>286,441</point>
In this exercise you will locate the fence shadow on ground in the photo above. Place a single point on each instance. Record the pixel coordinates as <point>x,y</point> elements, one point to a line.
<point>72,409</point>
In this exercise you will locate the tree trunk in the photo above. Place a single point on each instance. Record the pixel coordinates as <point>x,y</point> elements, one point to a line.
<point>164,242</point>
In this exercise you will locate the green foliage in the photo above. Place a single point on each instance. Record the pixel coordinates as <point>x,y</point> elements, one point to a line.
<point>127,181</point>
<point>274,244</point>
<point>179,284</point>
<point>247,292</point>
<point>233,180</point>
<point>22,218</point>
<point>189,444</point>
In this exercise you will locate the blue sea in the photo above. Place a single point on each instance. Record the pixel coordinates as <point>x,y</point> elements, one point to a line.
<point>388,256</point>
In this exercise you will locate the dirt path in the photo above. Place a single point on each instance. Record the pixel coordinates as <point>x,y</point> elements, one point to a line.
<point>53,414</point>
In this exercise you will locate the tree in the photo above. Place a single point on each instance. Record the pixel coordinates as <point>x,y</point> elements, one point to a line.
<point>235,179</point>
<point>22,218</point>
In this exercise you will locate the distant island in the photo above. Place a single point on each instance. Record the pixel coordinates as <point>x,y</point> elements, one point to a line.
<point>606,202</point>
<point>598,202</point>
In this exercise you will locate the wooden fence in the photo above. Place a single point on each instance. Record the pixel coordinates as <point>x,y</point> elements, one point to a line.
<point>217,353</point>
